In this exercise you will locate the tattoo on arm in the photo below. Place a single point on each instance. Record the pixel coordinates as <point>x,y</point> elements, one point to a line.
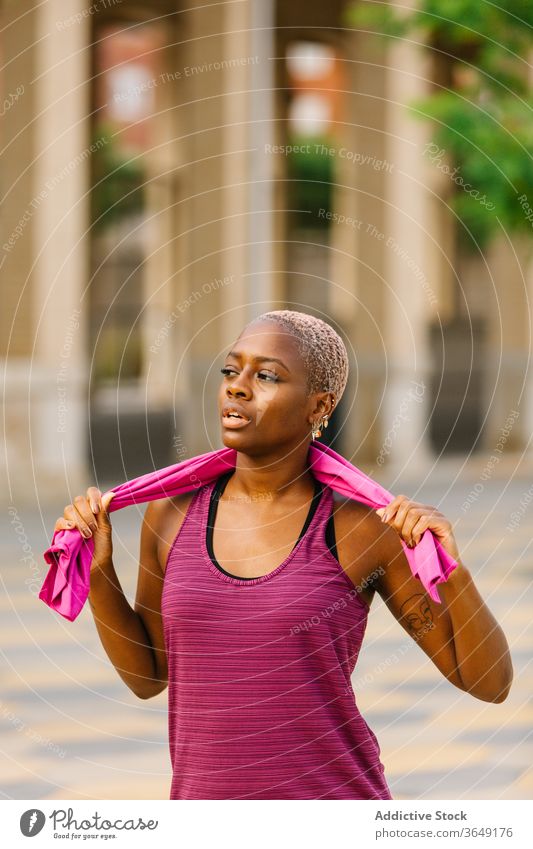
<point>417,614</point>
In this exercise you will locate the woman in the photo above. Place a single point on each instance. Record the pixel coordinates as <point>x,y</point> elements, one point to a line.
<point>254,590</point>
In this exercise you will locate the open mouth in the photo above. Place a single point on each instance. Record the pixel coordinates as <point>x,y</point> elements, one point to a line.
<point>233,419</point>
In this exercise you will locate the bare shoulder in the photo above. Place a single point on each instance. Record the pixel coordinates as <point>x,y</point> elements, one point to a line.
<point>359,536</point>
<point>358,521</point>
<point>163,519</point>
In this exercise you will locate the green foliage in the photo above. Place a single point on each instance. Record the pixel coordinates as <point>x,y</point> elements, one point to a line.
<point>117,181</point>
<point>483,115</point>
<point>490,143</point>
<point>310,173</point>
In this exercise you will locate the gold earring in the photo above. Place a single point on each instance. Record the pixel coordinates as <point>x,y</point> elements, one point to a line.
<point>317,433</point>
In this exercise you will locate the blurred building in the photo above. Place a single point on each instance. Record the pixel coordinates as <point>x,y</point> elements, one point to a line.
<point>152,206</point>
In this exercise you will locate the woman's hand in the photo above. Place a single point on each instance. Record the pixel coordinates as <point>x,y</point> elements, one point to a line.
<point>411,519</point>
<point>89,515</point>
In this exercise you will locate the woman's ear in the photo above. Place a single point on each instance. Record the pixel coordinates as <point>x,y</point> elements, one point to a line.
<point>325,404</point>
<point>322,405</point>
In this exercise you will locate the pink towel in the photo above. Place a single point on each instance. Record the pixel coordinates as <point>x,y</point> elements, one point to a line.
<point>66,586</point>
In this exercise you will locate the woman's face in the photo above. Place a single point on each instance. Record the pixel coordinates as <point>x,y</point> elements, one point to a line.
<point>264,378</point>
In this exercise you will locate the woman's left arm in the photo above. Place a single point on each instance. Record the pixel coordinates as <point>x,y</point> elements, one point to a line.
<point>481,653</point>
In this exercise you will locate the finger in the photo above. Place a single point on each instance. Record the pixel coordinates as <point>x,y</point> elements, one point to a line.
<point>106,500</point>
<point>412,517</point>
<point>391,508</point>
<point>419,529</point>
<point>407,513</point>
<point>103,518</point>
<point>71,515</point>
<point>429,514</point>
<point>404,510</point>
<point>81,504</point>
<point>95,498</point>
<point>75,516</point>
<point>397,518</point>
<point>63,525</point>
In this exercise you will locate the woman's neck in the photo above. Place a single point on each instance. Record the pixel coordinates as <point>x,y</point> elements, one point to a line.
<point>271,478</point>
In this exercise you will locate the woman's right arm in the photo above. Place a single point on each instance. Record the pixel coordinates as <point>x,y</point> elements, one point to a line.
<point>120,627</point>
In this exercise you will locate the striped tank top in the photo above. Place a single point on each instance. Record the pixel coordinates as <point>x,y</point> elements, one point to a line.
<point>260,701</point>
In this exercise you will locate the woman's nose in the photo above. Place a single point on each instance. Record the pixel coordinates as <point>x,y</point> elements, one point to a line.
<point>239,386</point>
<point>242,391</point>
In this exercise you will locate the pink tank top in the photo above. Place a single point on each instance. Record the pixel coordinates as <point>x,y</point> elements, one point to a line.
<point>260,702</point>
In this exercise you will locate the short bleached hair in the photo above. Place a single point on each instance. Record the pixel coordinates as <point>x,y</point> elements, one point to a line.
<point>320,347</point>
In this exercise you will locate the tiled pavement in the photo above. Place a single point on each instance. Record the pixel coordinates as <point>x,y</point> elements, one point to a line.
<point>70,728</point>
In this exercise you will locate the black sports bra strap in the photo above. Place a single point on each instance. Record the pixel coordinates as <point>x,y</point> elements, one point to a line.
<point>331,542</point>
<point>218,489</point>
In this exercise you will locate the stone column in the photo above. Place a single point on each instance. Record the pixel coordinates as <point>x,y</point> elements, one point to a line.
<point>526,428</point>
<point>227,209</point>
<point>63,150</point>
<point>235,151</point>
<point>410,294</point>
<point>508,397</point>
<point>343,293</point>
<point>165,303</point>
<point>357,267</point>
<point>218,62</point>
<point>262,287</point>
<point>47,381</point>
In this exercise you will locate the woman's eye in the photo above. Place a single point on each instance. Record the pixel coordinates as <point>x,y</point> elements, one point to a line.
<point>264,375</point>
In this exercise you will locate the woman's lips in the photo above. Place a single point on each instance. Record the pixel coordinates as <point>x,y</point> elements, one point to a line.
<point>233,422</point>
